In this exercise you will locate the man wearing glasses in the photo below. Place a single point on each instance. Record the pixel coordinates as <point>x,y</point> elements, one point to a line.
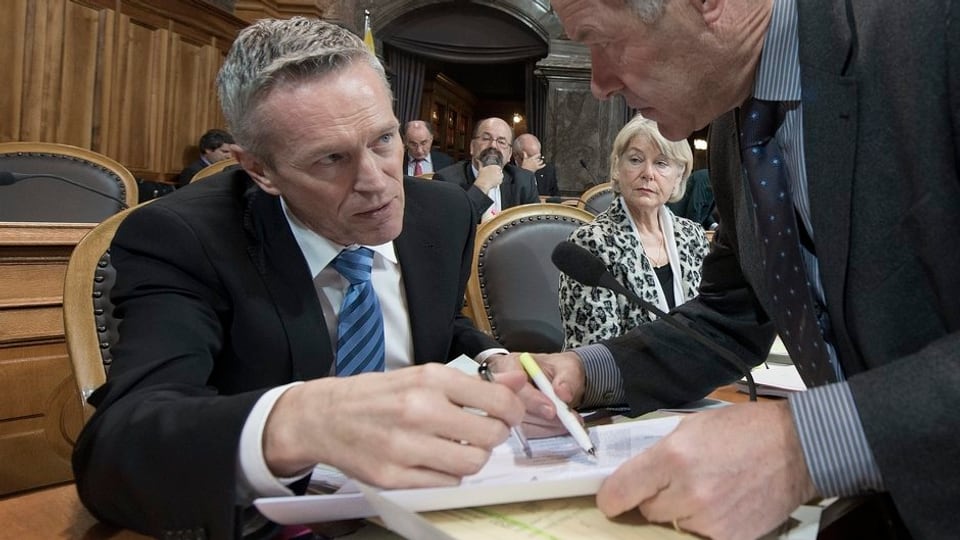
<point>493,184</point>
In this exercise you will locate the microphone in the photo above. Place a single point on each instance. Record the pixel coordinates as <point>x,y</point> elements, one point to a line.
<point>587,269</point>
<point>9,178</point>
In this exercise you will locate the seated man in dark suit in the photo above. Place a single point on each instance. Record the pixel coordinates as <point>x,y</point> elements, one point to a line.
<point>214,147</point>
<point>246,301</point>
<point>492,182</point>
<point>526,154</point>
<point>419,158</point>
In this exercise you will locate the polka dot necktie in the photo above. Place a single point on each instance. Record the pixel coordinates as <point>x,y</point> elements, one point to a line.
<point>360,345</point>
<point>785,274</point>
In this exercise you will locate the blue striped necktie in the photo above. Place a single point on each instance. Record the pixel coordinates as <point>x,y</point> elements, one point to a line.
<point>360,342</point>
<point>786,277</point>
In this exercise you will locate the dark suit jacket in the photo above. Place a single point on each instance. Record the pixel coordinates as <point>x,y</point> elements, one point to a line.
<point>189,171</point>
<point>438,159</point>
<point>884,182</point>
<point>218,306</point>
<point>547,181</point>
<point>518,187</point>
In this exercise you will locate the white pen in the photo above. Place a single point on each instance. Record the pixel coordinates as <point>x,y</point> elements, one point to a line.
<point>566,416</point>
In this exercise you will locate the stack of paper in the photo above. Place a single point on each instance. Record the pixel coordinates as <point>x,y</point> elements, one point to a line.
<point>558,468</point>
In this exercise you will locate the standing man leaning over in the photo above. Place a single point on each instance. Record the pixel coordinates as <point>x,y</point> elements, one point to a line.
<point>419,158</point>
<point>527,155</point>
<point>492,182</point>
<point>834,159</point>
<point>241,299</point>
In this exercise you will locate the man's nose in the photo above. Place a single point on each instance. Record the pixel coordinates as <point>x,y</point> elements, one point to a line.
<point>604,82</point>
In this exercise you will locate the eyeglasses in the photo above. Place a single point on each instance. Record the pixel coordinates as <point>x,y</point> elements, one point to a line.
<point>486,139</point>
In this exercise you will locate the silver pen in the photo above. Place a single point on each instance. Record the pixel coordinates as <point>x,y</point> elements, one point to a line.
<point>487,375</point>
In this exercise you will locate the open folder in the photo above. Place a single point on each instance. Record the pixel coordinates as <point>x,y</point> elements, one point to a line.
<point>558,468</point>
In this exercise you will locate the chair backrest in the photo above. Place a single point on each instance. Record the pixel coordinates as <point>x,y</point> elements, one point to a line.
<point>597,198</point>
<point>513,290</point>
<point>88,322</point>
<point>214,168</point>
<point>88,186</point>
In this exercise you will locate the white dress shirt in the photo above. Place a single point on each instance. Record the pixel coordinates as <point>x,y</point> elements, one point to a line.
<point>254,476</point>
<point>426,165</point>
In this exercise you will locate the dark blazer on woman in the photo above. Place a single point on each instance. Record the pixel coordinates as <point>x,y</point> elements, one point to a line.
<point>881,121</point>
<point>218,306</point>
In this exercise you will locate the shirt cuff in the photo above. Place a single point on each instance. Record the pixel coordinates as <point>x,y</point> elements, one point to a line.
<point>838,457</point>
<point>253,475</point>
<point>484,355</point>
<point>604,384</point>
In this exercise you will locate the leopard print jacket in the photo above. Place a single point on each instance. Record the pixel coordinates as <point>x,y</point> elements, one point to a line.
<point>592,314</point>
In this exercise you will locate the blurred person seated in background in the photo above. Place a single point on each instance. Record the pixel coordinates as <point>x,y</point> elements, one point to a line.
<point>648,248</point>
<point>214,146</point>
<point>697,203</point>
<point>527,155</point>
<point>248,299</point>
<point>492,182</point>
<point>419,157</point>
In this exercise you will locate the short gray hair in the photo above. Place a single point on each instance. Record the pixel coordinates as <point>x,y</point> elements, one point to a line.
<point>649,11</point>
<point>678,152</point>
<point>274,52</point>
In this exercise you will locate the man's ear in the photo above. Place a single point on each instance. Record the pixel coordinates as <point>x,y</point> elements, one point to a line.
<point>255,169</point>
<point>710,9</point>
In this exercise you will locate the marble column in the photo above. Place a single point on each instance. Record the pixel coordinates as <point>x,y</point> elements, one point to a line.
<point>577,126</point>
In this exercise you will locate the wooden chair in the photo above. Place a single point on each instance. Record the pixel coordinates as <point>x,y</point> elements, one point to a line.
<point>59,183</point>
<point>214,168</point>
<point>513,290</point>
<point>597,198</point>
<point>88,322</point>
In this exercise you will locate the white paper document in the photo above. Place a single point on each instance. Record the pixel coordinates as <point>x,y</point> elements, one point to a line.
<point>557,469</point>
<point>775,380</point>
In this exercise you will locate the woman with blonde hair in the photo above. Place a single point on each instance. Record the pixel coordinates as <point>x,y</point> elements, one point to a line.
<point>644,245</point>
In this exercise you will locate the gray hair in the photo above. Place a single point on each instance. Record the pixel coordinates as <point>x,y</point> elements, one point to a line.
<point>678,152</point>
<point>275,52</point>
<point>649,11</point>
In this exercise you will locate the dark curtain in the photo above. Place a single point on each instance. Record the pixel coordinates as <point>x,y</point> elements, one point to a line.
<point>469,34</point>
<point>408,70</point>
<point>536,102</point>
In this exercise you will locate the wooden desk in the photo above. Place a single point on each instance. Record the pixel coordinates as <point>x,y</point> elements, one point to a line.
<point>56,512</point>
<point>40,412</point>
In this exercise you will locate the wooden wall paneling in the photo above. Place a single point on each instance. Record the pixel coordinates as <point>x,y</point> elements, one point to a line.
<point>13,29</point>
<point>142,63</point>
<point>189,89</point>
<point>41,88</point>
<point>74,117</point>
<point>40,413</point>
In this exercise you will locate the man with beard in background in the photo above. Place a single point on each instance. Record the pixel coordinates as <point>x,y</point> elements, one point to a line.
<point>493,184</point>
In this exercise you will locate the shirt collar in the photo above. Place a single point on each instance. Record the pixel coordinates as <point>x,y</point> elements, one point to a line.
<point>778,76</point>
<point>319,251</point>
<point>424,160</point>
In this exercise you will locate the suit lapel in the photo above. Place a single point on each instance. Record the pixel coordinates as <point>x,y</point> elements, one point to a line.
<point>280,262</point>
<point>830,110</point>
<point>415,249</point>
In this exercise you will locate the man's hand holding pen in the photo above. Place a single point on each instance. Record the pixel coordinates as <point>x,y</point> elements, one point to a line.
<point>564,371</point>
